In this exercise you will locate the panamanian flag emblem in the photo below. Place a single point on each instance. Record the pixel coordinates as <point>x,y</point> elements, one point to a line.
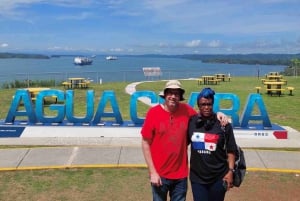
<point>204,141</point>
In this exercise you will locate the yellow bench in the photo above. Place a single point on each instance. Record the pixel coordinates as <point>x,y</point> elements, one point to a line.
<point>214,81</point>
<point>284,81</point>
<point>291,89</point>
<point>83,85</point>
<point>54,99</point>
<point>200,81</point>
<point>67,85</point>
<point>257,89</point>
<point>33,98</point>
<point>275,91</point>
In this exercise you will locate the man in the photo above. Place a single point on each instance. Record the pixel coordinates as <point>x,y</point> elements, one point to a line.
<point>164,144</point>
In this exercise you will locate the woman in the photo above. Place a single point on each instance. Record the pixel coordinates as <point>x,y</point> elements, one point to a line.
<point>212,151</point>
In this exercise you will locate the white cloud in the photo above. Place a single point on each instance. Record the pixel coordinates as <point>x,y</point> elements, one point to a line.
<point>4,45</point>
<point>160,5</point>
<point>193,43</point>
<point>163,44</point>
<point>214,43</point>
<point>116,50</point>
<point>10,8</point>
<point>78,16</point>
<point>62,48</point>
<point>152,24</point>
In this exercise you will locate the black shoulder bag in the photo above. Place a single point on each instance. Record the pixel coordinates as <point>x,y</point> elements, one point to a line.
<point>240,167</point>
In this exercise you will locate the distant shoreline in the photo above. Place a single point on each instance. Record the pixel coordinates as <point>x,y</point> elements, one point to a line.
<point>251,59</point>
<point>22,56</point>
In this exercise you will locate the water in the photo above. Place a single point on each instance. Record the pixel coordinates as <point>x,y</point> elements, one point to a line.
<point>123,69</point>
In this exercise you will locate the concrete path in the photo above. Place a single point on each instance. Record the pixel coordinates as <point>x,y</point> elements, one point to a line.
<point>117,152</point>
<point>130,89</point>
<point>46,153</point>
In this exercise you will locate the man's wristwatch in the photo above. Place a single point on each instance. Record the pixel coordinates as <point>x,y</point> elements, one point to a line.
<point>232,170</point>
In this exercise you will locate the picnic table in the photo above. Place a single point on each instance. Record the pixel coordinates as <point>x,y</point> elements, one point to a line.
<point>274,88</point>
<point>210,79</point>
<point>221,77</point>
<point>34,91</point>
<point>76,82</point>
<point>274,77</point>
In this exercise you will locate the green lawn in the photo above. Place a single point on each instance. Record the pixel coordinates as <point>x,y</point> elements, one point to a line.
<point>282,110</point>
<point>133,184</point>
<point>129,184</point>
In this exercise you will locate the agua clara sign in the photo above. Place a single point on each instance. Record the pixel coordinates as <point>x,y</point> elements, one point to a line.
<point>64,108</point>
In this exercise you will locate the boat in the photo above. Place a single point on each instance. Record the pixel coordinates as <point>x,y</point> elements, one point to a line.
<point>82,61</point>
<point>111,58</point>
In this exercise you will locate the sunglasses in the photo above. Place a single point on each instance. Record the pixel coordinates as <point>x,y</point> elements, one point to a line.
<point>173,92</point>
<point>205,104</point>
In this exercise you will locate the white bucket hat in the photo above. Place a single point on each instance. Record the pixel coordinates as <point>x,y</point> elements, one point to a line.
<point>161,94</point>
<point>174,84</point>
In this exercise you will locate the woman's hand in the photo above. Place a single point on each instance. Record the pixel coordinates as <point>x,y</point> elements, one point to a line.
<point>229,179</point>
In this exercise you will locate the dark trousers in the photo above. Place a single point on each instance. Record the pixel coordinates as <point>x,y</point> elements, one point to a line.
<point>208,192</point>
<point>177,189</point>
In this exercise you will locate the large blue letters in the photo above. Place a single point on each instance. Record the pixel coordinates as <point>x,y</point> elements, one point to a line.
<point>65,107</point>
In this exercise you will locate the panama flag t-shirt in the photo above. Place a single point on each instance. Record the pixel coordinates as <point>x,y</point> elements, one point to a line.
<point>204,141</point>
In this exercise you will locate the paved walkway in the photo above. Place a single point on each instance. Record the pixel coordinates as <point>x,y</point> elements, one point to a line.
<point>69,152</point>
<point>118,152</point>
<point>126,152</point>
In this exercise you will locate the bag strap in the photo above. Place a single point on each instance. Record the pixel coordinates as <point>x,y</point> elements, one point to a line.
<point>225,140</point>
<point>225,145</point>
<point>237,152</point>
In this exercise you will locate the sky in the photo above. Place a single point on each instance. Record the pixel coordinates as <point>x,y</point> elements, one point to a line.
<point>150,26</point>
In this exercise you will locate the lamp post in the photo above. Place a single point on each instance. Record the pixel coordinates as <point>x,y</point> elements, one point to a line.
<point>295,63</point>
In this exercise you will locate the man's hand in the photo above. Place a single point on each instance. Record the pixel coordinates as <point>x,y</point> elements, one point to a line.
<point>155,179</point>
<point>222,118</point>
